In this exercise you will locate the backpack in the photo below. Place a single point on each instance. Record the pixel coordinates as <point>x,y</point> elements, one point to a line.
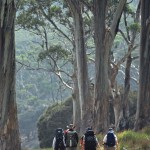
<point>59,135</point>
<point>110,139</point>
<point>71,140</point>
<point>90,139</point>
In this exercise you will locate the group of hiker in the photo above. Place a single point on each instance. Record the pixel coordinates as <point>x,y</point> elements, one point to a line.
<point>69,139</point>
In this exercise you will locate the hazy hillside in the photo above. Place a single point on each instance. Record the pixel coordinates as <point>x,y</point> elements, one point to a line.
<point>35,89</point>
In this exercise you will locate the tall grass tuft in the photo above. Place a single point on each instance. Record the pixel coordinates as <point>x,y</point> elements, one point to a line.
<point>134,140</point>
<point>146,130</point>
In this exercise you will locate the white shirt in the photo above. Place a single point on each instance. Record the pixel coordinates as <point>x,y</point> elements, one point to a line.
<point>54,142</point>
<point>105,138</point>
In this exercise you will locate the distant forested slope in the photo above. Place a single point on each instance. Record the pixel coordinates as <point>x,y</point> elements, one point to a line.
<point>36,88</point>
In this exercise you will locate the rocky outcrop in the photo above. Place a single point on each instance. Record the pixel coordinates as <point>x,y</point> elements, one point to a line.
<point>56,116</point>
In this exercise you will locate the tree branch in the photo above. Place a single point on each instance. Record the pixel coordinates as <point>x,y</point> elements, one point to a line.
<point>56,72</point>
<point>116,18</point>
<point>87,5</point>
<point>123,35</point>
<point>55,26</point>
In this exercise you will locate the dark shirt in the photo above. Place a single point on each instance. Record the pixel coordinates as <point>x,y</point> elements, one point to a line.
<point>75,134</point>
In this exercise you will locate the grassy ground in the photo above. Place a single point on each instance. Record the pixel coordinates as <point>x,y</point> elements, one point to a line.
<point>129,140</point>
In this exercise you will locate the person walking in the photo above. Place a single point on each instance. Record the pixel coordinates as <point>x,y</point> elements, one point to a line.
<point>89,140</point>
<point>59,140</point>
<point>110,140</point>
<point>71,138</point>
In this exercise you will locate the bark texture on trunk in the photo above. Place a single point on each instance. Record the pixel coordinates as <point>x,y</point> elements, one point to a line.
<point>122,122</point>
<point>143,104</point>
<point>101,68</point>
<point>82,69</point>
<point>76,102</point>
<point>9,134</point>
<point>103,43</point>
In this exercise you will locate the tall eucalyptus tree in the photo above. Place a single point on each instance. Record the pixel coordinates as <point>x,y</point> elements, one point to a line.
<point>101,67</point>
<point>9,135</point>
<point>121,99</point>
<point>82,70</point>
<point>104,38</point>
<point>143,104</point>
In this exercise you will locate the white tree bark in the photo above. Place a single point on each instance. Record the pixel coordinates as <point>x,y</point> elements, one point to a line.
<point>82,71</point>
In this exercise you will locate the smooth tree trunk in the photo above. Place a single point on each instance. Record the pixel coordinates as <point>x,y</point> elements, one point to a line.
<point>103,41</point>
<point>101,121</point>
<point>109,38</point>
<point>82,69</point>
<point>122,113</point>
<point>75,90</point>
<point>124,121</point>
<point>127,86</point>
<point>76,102</point>
<point>143,103</point>
<point>115,96</point>
<point>9,135</point>
<point>118,109</point>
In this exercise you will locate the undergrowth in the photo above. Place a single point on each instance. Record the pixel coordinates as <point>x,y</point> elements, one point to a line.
<point>129,140</point>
